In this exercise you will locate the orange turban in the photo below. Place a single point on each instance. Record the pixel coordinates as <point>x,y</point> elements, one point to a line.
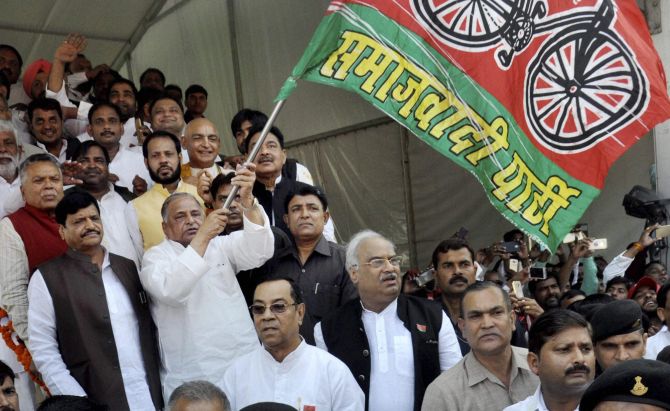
<point>31,72</point>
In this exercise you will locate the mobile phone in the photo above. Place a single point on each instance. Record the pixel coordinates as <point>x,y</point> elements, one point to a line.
<point>511,247</point>
<point>138,124</point>
<point>572,237</point>
<point>424,278</point>
<point>598,244</point>
<point>514,264</point>
<point>661,232</point>
<point>539,273</point>
<point>516,287</point>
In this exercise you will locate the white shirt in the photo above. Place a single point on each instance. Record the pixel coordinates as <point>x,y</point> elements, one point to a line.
<point>392,357</point>
<point>617,267</point>
<point>657,342</point>
<point>533,403</point>
<point>62,157</point>
<point>126,165</point>
<point>74,127</point>
<point>307,376</point>
<point>117,237</point>
<point>202,319</point>
<point>10,196</point>
<point>44,344</point>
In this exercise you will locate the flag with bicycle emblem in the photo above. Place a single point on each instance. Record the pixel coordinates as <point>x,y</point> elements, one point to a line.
<point>537,98</point>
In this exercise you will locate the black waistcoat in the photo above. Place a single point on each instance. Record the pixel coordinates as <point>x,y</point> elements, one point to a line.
<point>345,337</point>
<point>84,329</point>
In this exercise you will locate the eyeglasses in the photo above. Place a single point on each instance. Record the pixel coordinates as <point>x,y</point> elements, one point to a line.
<point>276,308</point>
<point>379,262</point>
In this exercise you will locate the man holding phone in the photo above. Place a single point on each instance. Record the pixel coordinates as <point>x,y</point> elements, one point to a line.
<point>619,264</point>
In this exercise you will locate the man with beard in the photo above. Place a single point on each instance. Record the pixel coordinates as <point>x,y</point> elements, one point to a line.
<point>46,124</point>
<point>9,399</point>
<point>560,352</point>
<point>91,332</point>
<point>11,153</point>
<point>644,293</point>
<point>112,200</point>
<point>617,333</point>
<point>391,342</point>
<point>546,292</point>
<point>106,128</point>
<point>28,237</point>
<point>162,157</point>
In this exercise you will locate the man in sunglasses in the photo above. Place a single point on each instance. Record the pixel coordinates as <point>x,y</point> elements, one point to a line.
<point>391,342</point>
<point>196,302</point>
<point>286,369</point>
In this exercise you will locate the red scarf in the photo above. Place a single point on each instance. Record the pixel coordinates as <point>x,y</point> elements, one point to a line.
<point>39,233</point>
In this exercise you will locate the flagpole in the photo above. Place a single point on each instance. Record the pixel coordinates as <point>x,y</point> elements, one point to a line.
<point>256,149</point>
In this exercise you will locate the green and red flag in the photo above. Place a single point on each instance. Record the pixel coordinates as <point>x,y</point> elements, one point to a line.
<point>537,98</point>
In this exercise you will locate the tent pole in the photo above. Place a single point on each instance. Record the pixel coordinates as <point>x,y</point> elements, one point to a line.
<point>256,149</point>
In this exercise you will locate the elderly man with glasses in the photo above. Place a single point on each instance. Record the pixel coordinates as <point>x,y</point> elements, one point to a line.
<point>391,342</point>
<point>196,302</point>
<point>286,369</point>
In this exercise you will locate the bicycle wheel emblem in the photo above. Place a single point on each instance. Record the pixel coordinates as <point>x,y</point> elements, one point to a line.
<point>581,87</point>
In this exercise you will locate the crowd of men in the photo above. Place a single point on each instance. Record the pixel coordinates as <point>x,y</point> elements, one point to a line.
<point>126,285</point>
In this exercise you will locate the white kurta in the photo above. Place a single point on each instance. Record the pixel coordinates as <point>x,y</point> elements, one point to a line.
<point>126,165</point>
<point>392,357</point>
<point>657,343</point>
<point>10,196</point>
<point>46,353</point>
<point>117,237</point>
<point>197,304</point>
<point>307,376</point>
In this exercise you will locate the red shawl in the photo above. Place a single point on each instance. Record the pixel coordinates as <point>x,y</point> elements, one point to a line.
<point>39,233</point>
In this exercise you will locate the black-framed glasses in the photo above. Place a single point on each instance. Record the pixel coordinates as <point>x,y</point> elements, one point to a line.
<point>380,261</point>
<point>276,308</point>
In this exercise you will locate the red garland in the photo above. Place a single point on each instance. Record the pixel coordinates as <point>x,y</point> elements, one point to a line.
<point>22,353</point>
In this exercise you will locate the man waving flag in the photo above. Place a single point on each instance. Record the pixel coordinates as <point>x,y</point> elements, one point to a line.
<point>537,98</point>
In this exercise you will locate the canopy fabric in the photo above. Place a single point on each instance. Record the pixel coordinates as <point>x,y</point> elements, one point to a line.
<point>375,175</point>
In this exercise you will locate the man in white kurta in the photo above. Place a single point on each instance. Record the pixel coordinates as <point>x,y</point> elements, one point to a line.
<point>286,369</point>
<point>196,302</point>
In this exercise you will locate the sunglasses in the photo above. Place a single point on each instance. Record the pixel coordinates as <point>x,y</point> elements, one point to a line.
<point>276,308</point>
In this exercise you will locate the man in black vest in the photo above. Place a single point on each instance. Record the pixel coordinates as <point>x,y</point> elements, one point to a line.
<point>90,319</point>
<point>409,339</point>
<point>276,176</point>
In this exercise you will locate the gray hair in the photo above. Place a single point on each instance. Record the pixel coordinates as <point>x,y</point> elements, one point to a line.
<point>171,198</point>
<point>37,158</point>
<point>7,125</point>
<point>355,243</point>
<point>196,391</point>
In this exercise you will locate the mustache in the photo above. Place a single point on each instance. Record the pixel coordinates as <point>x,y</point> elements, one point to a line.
<point>578,368</point>
<point>87,232</point>
<point>457,278</point>
<point>389,276</point>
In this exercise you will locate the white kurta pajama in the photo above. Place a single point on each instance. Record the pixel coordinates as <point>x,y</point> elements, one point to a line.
<point>197,304</point>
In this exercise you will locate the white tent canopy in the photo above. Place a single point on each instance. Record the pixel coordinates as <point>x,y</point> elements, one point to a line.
<point>376,175</point>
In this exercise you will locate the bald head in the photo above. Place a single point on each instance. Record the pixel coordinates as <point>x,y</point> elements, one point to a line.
<point>201,140</point>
